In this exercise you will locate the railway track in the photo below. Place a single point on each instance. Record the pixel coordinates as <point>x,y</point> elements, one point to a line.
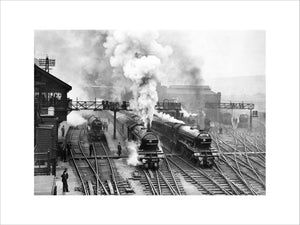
<point>162,181</point>
<point>89,177</point>
<point>240,165</point>
<point>108,172</point>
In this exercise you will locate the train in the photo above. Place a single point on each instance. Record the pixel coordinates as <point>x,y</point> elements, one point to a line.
<point>189,141</point>
<point>243,121</point>
<point>226,118</point>
<point>95,128</point>
<point>131,128</point>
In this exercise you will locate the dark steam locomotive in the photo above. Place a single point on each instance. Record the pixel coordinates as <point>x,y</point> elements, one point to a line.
<point>243,121</point>
<point>149,152</point>
<point>194,143</point>
<point>226,118</point>
<point>95,128</point>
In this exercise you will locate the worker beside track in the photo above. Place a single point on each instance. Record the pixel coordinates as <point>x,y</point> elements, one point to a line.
<point>64,178</point>
<point>119,149</point>
<point>63,131</point>
<point>91,149</point>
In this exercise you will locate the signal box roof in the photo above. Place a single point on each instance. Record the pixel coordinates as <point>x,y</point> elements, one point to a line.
<point>41,77</point>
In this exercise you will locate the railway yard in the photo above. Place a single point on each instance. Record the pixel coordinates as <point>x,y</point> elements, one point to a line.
<point>239,170</point>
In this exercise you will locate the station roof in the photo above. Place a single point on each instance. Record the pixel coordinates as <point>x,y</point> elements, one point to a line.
<point>41,72</point>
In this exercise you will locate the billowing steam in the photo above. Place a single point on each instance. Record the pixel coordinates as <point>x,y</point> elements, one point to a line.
<point>75,119</point>
<point>167,117</point>
<point>139,56</point>
<point>133,153</point>
<point>186,113</point>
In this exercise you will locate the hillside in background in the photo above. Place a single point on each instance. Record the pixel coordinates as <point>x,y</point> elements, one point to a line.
<point>244,88</point>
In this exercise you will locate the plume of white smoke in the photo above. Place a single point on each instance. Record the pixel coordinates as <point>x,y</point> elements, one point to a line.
<point>167,117</point>
<point>133,153</point>
<point>235,121</point>
<point>80,60</point>
<point>75,119</point>
<point>139,56</point>
<point>186,113</point>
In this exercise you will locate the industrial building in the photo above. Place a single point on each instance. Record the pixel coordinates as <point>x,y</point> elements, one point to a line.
<point>50,108</point>
<point>192,97</point>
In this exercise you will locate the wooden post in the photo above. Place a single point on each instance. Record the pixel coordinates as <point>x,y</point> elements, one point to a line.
<point>48,163</point>
<point>250,119</point>
<point>115,122</point>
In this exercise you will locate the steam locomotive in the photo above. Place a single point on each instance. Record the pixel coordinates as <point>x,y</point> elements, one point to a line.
<point>243,121</point>
<point>194,143</point>
<point>95,128</point>
<point>149,152</point>
<point>227,119</point>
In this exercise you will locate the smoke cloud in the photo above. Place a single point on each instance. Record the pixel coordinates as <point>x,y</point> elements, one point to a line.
<point>139,55</point>
<point>114,65</point>
<point>186,113</point>
<point>80,60</point>
<point>75,119</point>
<point>133,153</point>
<point>167,117</point>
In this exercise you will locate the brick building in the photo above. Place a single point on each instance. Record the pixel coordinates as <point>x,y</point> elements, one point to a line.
<point>192,98</point>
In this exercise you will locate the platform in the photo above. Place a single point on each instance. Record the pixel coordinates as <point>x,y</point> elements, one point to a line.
<point>113,143</point>
<point>73,182</point>
<point>44,185</point>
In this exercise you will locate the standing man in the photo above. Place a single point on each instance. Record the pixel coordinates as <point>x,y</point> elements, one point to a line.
<point>64,178</point>
<point>119,149</point>
<point>63,131</point>
<point>91,149</point>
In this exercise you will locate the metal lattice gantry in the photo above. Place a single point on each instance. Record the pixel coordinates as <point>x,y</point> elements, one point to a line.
<point>97,105</point>
<point>233,105</point>
<point>230,105</point>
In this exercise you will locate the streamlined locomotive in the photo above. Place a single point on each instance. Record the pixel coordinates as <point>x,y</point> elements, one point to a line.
<point>186,140</point>
<point>149,152</point>
<point>95,128</point>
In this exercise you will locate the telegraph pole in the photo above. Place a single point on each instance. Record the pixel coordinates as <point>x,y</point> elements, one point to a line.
<point>46,63</point>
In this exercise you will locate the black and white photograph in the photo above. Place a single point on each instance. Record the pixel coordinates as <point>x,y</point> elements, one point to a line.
<point>149,112</point>
<point>139,112</point>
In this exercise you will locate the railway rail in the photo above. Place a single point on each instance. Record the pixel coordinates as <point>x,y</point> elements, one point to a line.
<point>162,181</point>
<point>241,166</point>
<point>89,177</point>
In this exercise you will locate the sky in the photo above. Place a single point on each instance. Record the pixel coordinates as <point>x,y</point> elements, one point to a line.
<point>81,60</point>
<point>229,53</point>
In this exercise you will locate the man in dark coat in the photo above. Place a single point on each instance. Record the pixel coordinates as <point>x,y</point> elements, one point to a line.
<point>91,149</point>
<point>64,178</point>
<point>63,131</point>
<point>119,149</point>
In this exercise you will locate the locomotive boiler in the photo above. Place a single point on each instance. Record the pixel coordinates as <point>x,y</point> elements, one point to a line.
<point>148,150</point>
<point>95,128</point>
<point>188,141</point>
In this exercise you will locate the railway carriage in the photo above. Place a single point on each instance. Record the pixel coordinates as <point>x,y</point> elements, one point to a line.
<point>194,143</point>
